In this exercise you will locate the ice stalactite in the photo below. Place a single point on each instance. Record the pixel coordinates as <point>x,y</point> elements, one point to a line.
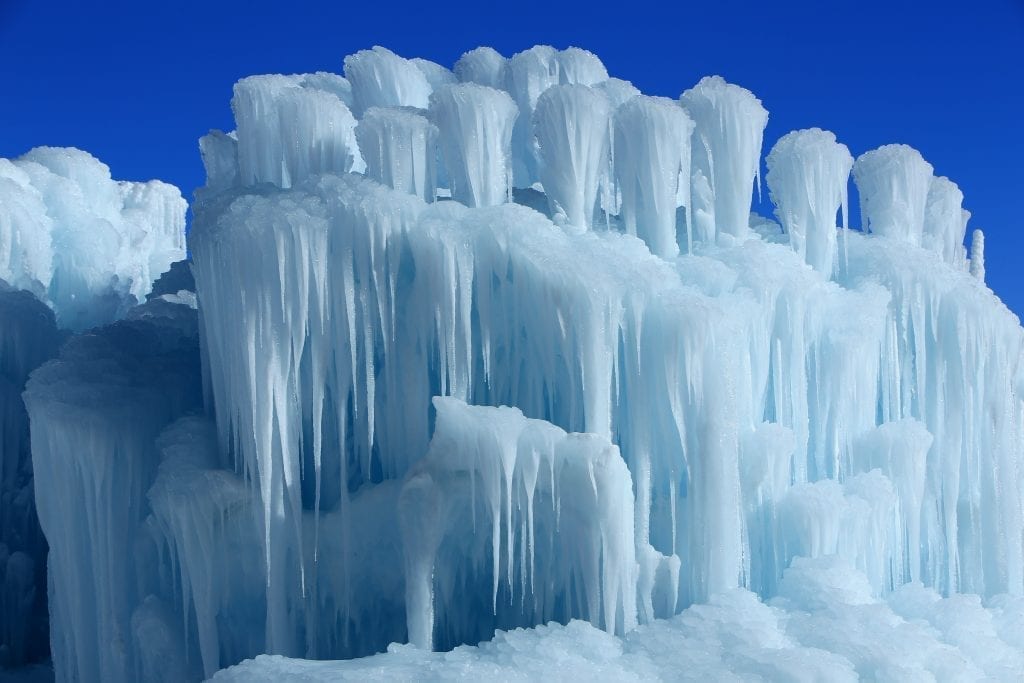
<point>96,411</point>
<point>808,173</point>
<point>476,124</point>
<point>652,147</point>
<point>553,538</point>
<point>893,182</point>
<point>380,78</point>
<point>399,147</point>
<point>289,129</point>
<point>727,147</point>
<point>572,124</point>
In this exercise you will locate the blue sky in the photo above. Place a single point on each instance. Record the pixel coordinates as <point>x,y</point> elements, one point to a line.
<point>137,83</point>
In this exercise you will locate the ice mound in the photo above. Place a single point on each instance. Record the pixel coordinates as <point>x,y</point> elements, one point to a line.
<point>85,244</point>
<point>503,347</point>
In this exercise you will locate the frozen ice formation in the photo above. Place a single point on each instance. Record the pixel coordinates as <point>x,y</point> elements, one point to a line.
<point>476,124</point>
<point>572,125</point>
<point>808,172</point>
<point>497,360</point>
<point>727,147</point>
<point>894,182</point>
<point>558,511</point>
<point>85,244</point>
<point>652,149</point>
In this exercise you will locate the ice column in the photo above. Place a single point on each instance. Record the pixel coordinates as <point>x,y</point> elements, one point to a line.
<point>527,75</point>
<point>553,520</point>
<point>380,78</point>
<point>96,412</point>
<point>484,66</point>
<point>727,147</point>
<point>652,146</point>
<point>288,132</point>
<point>944,220</point>
<point>893,182</point>
<point>399,148</point>
<point>571,124</point>
<point>808,173</point>
<point>475,124</point>
<point>978,254</point>
<point>220,159</point>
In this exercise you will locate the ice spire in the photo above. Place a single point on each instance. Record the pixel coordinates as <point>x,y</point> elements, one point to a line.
<point>727,147</point>
<point>978,254</point>
<point>652,146</point>
<point>944,220</point>
<point>893,182</point>
<point>380,78</point>
<point>399,147</point>
<point>571,124</point>
<point>808,173</point>
<point>476,130</point>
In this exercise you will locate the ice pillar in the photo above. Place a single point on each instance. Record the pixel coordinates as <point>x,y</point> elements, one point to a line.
<point>380,78</point>
<point>399,148</point>
<point>808,173</point>
<point>652,145</point>
<point>727,147</point>
<point>944,221</point>
<point>893,182</point>
<point>571,124</point>
<point>475,124</point>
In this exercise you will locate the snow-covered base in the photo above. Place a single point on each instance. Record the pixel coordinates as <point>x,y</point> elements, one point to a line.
<point>824,625</point>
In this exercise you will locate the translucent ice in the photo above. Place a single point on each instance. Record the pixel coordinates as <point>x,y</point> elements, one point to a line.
<point>380,78</point>
<point>893,182</point>
<point>652,148</point>
<point>572,125</point>
<point>808,173</point>
<point>399,147</point>
<point>476,124</point>
<point>727,147</point>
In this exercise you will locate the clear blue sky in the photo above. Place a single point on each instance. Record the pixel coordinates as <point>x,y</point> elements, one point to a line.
<point>136,83</point>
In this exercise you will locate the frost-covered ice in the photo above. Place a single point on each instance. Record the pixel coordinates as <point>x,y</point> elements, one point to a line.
<point>503,346</point>
<point>87,245</point>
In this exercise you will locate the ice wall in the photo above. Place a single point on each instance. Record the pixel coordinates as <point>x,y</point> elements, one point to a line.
<point>87,245</point>
<point>543,517</point>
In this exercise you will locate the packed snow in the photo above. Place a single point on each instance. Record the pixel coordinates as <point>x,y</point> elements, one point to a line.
<point>491,372</point>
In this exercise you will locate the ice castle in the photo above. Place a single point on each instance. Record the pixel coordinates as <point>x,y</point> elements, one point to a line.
<point>491,372</point>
